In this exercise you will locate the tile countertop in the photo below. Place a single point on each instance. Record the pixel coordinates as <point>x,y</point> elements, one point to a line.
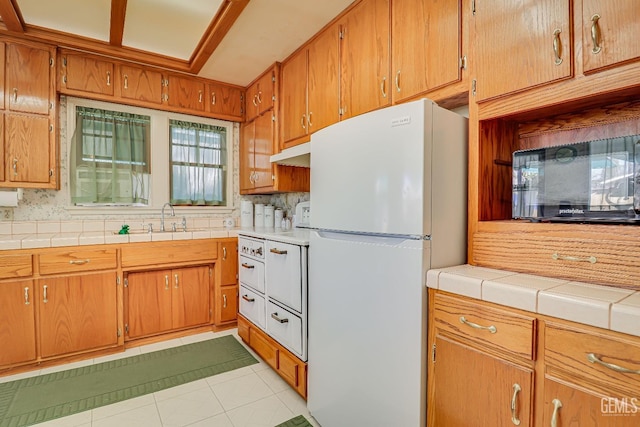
<point>617,309</point>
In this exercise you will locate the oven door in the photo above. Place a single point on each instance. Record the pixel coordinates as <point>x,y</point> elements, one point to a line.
<point>284,274</point>
<point>252,273</point>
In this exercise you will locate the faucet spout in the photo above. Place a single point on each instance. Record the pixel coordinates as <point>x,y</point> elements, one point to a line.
<point>173,213</point>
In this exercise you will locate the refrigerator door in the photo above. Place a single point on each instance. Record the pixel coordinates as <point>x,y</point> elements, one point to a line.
<point>368,174</point>
<point>367,330</point>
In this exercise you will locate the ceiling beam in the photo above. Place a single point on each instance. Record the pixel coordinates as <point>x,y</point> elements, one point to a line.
<point>11,16</point>
<point>217,30</point>
<point>118,13</point>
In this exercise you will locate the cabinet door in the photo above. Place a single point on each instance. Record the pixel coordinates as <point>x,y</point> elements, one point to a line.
<point>263,149</point>
<point>364,58</point>
<point>140,84</point>
<point>426,43</point>
<point>575,406</point>
<point>2,73</point>
<point>225,100</point>
<point>266,91</point>
<point>29,145</point>
<point>190,299</point>
<point>148,302</point>
<point>17,322</point>
<point>88,74</point>
<point>530,47</point>
<point>323,80</point>
<point>293,115</point>
<point>77,313</point>
<point>228,262</point>
<point>610,31</point>
<point>247,158</point>
<point>476,389</point>
<point>186,93</point>
<point>28,78</point>
<point>228,309</point>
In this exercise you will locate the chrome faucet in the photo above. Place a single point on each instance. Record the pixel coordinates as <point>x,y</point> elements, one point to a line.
<point>173,213</point>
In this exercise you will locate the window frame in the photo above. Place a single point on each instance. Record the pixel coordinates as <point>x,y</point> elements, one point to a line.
<point>159,158</point>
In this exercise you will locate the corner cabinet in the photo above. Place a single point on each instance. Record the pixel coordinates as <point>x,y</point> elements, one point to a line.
<point>29,144</point>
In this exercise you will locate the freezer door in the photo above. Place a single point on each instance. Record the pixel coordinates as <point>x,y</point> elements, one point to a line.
<point>367,330</point>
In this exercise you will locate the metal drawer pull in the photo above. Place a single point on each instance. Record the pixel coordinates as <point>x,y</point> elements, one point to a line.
<point>557,46</point>
<point>245,265</point>
<point>591,357</point>
<point>44,294</point>
<point>175,276</point>
<point>595,34</point>
<point>79,261</point>
<point>514,416</point>
<point>277,251</point>
<point>224,254</point>
<point>556,406</point>
<point>275,316</point>
<point>224,301</point>
<point>246,298</point>
<point>166,282</point>
<point>26,296</point>
<point>491,328</point>
<point>590,259</point>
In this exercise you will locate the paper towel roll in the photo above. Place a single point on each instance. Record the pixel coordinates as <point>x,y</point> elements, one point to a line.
<point>9,198</point>
<point>246,214</point>
<point>269,219</point>
<point>259,215</point>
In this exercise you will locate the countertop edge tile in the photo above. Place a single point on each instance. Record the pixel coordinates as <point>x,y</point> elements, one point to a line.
<point>510,295</point>
<point>462,285</point>
<point>575,308</point>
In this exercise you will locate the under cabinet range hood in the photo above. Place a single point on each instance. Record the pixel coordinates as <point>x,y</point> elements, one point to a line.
<point>299,155</point>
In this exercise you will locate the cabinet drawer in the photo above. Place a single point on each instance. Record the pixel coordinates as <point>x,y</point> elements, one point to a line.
<point>263,347</point>
<point>171,252</point>
<point>285,327</point>
<point>69,261</point>
<point>252,273</point>
<point>576,352</point>
<point>284,274</point>
<point>15,266</point>
<point>290,368</point>
<point>252,306</point>
<point>502,329</point>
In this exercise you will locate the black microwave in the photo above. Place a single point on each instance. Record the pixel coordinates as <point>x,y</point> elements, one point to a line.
<point>592,182</point>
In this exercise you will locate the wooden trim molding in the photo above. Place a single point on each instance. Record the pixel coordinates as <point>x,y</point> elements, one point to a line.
<point>11,16</point>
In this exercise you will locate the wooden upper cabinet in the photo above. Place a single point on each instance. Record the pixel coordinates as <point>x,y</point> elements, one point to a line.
<point>364,58</point>
<point>610,32</point>
<point>323,74</point>
<point>263,149</point>
<point>225,100</point>
<point>140,84</point>
<point>518,46</point>
<point>293,89</point>
<point>84,73</point>
<point>29,78</point>
<point>187,93</point>
<point>261,94</point>
<point>426,46</point>
<point>29,150</point>
<point>2,73</point>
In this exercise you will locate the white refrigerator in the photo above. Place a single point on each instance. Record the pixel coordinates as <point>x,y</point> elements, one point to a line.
<point>388,202</point>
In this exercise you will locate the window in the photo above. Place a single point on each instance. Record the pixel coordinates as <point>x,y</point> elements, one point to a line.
<point>198,163</point>
<point>110,157</point>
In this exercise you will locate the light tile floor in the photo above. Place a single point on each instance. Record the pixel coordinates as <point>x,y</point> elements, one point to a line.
<point>253,396</point>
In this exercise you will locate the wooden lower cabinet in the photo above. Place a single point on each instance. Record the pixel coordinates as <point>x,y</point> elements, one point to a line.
<point>289,367</point>
<point>77,313</point>
<point>225,307</point>
<point>168,299</point>
<point>17,322</point>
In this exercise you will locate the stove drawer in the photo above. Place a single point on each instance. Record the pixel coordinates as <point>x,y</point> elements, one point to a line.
<point>252,273</point>
<point>252,306</point>
<point>284,274</point>
<point>285,327</point>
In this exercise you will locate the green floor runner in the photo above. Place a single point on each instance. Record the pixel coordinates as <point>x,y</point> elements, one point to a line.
<point>299,421</point>
<point>45,397</point>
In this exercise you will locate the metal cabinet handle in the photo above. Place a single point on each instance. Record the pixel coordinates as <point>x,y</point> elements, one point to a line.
<point>309,119</point>
<point>491,328</point>
<point>302,121</point>
<point>15,94</point>
<point>224,301</point>
<point>398,81</point>
<point>126,81</point>
<point>44,294</point>
<point>79,261</point>
<point>277,251</point>
<point>175,276</point>
<point>556,407</point>
<point>590,259</point>
<point>246,298</point>
<point>26,296</point>
<point>595,34</point>
<point>166,282</point>
<point>255,100</point>
<point>224,253</point>
<point>514,417</point>
<point>200,96</point>
<point>279,319</point>
<point>245,265</point>
<point>383,87</point>
<point>557,46</point>
<point>213,98</point>
<point>15,166</point>
<point>591,357</point>
<point>259,97</point>
<point>108,78</point>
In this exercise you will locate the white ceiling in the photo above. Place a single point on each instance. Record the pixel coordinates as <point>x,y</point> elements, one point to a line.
<point>266,30</point>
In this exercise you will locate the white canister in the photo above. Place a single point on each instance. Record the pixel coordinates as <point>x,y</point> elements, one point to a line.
<point>278,215</point>
<point>246,214</point>
<point>259,215</point>
<point>269,219</point>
